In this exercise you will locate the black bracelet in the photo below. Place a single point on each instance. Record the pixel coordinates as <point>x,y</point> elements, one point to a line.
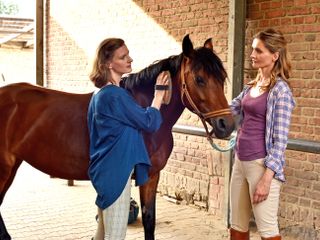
<point>161,87</point>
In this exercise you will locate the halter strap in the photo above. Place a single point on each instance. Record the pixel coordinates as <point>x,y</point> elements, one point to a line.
<point>195,109</point>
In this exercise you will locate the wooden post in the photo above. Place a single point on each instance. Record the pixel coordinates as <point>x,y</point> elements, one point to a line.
<point>70,182</point>
<point>39,42</point>
<point>236,46</point>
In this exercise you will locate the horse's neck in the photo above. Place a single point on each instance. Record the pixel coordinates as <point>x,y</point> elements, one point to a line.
<point>173,111</point>
<point>176,107</point>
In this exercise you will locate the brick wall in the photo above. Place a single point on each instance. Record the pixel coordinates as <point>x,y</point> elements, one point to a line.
<point>153,29</point>
<point>195,174</point>
<point>299,20</point>
<point>75,30</point>
<point>300,196</point>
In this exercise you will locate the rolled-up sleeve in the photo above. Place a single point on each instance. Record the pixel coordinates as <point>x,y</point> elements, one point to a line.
<point>125,109</point>
<point>281,118</point>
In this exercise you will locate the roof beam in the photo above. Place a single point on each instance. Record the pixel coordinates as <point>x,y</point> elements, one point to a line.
<point>10,37</point>
<point>29,43</point>
<point>10,18</point>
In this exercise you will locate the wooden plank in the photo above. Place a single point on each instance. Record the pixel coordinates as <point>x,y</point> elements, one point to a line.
<point>236,44</point>
<point>15,19</point>
<point>10,31</point>
<point>15,35</point>
<point>39,42</point>
<point>29,43</point>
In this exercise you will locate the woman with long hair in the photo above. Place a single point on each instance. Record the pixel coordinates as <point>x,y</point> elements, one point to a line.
<point>264,106</point>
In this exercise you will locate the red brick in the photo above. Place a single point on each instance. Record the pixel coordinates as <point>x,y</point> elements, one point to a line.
<point>313,84</point>
<point>313,121</point>
<point>265,6</point>
<point>298,20</point>
<point>264,23</point>
<point>292,199</point>
<point>275,13</point>
<point>256,15</point>
<point>286,21</point>
<point>289,29</point>
<point>308,111</point>
<point>310,19</point>
<point>254,7</point>
<point>293,190</point>
<point>287,3</point>
<point>299,11</point>
<point>315,9</point>
<point>275,22</point>
<point>276,4</point>
<point>300,2</point>
<point>305,202</point>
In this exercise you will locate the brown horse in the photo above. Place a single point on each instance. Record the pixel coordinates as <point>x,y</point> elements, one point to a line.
<point>48,128</point>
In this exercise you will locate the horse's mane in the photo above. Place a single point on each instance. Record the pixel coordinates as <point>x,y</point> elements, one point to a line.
<point>202,58</point>
<point>148,75</point>
<point>206,59</point>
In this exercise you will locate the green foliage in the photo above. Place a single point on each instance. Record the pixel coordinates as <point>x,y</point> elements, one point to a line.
<point>8,8</point>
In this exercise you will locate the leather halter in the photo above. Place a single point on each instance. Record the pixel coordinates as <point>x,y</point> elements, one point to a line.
<point>203,116</point>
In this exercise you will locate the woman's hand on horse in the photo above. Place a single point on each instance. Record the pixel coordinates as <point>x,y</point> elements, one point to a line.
<point>159,93</point>
<point>162,80</point>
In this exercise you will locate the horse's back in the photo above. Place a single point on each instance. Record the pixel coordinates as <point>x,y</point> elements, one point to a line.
<point>46,128</point>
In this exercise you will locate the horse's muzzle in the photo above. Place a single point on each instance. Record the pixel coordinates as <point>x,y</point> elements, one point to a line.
<point>222,126</point>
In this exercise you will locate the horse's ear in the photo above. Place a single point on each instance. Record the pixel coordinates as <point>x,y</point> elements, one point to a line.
<point>208,44</point>
<point>187,46</point>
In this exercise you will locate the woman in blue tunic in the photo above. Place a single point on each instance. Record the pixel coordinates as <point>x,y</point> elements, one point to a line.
<point>117,148</point>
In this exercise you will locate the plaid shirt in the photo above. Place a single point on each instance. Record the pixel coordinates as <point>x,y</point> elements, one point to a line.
<point>280,104</point>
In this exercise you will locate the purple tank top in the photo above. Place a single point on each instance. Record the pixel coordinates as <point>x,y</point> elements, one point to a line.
<point>251,136</point>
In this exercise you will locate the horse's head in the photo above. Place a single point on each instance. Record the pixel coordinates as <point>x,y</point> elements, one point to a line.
<point>202,78</point>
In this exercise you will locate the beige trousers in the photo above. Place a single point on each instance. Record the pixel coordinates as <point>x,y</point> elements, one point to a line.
<point>113,221</point>
<point>244,178</point>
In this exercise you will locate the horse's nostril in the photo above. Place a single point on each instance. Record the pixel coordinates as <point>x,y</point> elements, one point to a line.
<point>221,123</point>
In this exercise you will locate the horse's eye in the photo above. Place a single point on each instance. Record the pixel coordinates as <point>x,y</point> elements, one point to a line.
<point>200,81</point>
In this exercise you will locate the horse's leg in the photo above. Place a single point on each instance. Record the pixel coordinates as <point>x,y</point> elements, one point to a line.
<point>7,175</point>
<point>148,206</point>
<point>4,235</point>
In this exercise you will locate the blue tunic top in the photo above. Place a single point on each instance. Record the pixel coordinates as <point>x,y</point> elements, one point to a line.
<point>115,124</point>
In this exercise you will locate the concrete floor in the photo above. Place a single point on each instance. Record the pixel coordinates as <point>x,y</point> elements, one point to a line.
<point>39,207</point>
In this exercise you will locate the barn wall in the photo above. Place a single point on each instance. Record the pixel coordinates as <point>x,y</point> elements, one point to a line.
<point>299,20</point>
